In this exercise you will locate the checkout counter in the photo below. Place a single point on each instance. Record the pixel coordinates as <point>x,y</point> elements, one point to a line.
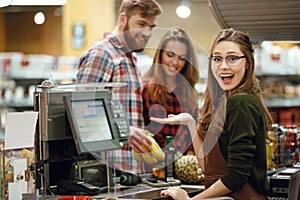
<point>72,158</point>
<point>141,192</point>
<point>68,145</point>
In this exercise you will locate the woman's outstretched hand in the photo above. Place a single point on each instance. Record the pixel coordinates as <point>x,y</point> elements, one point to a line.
<point>182,118</point>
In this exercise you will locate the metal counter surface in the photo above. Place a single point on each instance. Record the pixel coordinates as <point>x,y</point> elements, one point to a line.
<point>139,192</point>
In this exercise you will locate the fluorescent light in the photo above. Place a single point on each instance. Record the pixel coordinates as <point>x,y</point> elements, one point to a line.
<point>4,3</point>
<point>183,11</point>
<point>37,2</point>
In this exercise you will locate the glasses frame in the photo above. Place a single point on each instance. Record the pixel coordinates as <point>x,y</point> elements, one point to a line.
<point>218,65</point>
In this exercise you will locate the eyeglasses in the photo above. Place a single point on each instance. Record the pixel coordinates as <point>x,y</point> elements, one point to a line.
<point>231,61</point>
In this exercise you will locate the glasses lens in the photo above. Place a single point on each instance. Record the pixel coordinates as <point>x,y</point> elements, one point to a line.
<point>217,60</point>
<point>232,60</point>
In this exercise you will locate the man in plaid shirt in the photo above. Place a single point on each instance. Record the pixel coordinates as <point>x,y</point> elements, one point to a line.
<point>112,59</point>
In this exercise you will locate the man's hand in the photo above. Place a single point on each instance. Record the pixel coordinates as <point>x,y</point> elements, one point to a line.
<point>137,138</point>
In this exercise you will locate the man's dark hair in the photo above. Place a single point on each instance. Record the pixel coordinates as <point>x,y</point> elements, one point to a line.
<point>146,8</point>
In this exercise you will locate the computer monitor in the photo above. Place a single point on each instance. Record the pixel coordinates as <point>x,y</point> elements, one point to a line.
<point>95,122</point>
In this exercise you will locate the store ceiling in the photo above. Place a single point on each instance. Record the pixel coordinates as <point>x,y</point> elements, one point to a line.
<point>273,20</point>
<point>263,19</point>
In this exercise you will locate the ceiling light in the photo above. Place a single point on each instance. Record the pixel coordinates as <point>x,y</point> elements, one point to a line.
<point>39,18</point>
<point>37,3</point>
<point>183,11</point>
<point>4,3</point>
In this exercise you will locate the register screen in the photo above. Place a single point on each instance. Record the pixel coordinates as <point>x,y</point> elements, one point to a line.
<point>91,120</point>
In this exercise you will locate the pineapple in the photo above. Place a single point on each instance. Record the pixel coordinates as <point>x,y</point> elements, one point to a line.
<point>188,170</point>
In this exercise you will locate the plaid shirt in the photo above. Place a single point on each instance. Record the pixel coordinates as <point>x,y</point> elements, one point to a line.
<point>109,61</point>
<point>181,136</point>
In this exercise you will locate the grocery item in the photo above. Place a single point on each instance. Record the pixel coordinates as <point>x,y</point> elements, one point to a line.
<point>155,155</point>
<point>169,160</point>
<point>188,170</point>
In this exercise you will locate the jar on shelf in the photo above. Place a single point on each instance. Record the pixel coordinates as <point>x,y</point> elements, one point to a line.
<point>291,144</point>
<point>271,144</point>
<point>279,149</point>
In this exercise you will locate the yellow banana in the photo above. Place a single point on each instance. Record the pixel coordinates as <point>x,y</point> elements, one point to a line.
<point>149,158</point>
<point>137,156</point>
<point>156,154</point>
<point>147,133</point>
<point>156,151</point>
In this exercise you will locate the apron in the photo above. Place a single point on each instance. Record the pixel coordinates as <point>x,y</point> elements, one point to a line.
<point>215,169</point>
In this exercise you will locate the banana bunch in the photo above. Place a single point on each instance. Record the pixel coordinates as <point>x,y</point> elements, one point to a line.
<point>151,157</point>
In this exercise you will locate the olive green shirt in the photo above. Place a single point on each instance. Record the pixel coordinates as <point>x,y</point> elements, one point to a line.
<point>243,143</point>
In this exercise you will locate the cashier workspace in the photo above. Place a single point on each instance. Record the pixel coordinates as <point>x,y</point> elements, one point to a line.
<point>127,118</point>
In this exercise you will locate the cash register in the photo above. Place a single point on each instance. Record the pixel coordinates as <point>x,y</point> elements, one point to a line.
<point>280,181</point>
<point>78,124</point>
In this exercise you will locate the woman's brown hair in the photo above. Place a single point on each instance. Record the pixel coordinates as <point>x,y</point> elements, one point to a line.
<point>214,94</point>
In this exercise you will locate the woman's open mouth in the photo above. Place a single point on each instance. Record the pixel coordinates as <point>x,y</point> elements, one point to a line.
<point>226,78</point>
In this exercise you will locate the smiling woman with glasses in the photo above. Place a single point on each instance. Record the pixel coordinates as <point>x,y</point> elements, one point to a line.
<point>230,137</point>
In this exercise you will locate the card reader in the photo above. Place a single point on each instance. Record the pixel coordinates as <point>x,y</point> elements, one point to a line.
<point>74,187</point>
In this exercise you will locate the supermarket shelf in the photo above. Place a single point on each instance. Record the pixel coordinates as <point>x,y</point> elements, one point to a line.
<point>283,102</point>
<point>16,105</point>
